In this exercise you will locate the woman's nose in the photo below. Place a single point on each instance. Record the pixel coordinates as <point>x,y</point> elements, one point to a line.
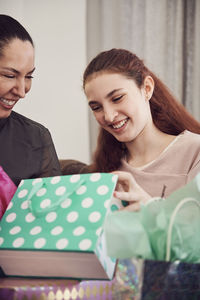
<point>20,88</point>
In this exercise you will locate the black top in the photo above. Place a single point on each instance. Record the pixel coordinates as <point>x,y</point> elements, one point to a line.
<point>26,149</point>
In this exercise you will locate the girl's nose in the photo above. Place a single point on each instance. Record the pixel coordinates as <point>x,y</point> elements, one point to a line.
<point>110,114</point>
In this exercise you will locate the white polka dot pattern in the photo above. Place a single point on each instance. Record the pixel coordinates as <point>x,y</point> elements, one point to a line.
<point>79,230</point>
<point>55,180</point>
<point>72,216</point>
<point>11,217</point>
<point>74,178</point>
<point>22,193</point>
<point>61,212</point>
<point>56,230</point>
<point>94,217</point>
<point>87,202</point>
<point>18,242</point>
<point>61,244</point>
<point>25,204</point>
<point>37,180</point>
<point>39,243</point>
<point>85,244</point>
<point>35,230</point>
<point>1,241</point>
<point>29,218</point>
<point>95,177</point>
<point>81,190</point>
<point>10,205</point>
<point>60,191</point>
<point>41,192</point>
<point>66,203</point>
<point>15,230</point>
<point>45,203</point>
<point>51,217</point>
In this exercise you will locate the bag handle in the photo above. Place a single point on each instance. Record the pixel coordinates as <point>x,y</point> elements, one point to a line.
<point>171,223</point>
<point>36,209</point>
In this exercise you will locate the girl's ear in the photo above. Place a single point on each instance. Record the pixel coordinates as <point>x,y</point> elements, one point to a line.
<point>148,87</point>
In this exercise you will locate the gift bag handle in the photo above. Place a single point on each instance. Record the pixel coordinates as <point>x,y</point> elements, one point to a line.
<point>171,223</point>
<point>38,211</point>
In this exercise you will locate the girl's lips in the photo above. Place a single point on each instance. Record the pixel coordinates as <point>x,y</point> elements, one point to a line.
<point>119,124</point>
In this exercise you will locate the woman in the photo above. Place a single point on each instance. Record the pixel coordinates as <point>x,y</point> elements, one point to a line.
<point>26,147</point>
<point>144,131</point>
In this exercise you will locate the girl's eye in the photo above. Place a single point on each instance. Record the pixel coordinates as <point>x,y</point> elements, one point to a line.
<point>29,76</point>
<point>95,108</point>
<point>117,98</point>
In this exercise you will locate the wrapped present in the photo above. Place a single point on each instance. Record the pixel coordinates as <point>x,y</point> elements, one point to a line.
<point>53,228</point>
<point>135,279</point>
<point>52,289</point>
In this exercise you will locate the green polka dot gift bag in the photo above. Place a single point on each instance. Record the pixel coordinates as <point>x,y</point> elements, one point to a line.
<point>53,228</point>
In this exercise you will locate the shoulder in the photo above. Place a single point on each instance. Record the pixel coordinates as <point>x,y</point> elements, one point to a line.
<point>26,122</point>
<point>190,137</point>
<point>188,146</point>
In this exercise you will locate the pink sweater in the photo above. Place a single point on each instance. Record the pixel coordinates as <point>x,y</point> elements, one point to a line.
<point>174,167</point>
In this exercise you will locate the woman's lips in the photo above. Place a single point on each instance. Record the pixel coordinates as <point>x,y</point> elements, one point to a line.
<point>7,103</point>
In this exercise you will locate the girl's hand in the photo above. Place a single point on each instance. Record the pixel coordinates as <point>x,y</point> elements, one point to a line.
<point>127,189</point>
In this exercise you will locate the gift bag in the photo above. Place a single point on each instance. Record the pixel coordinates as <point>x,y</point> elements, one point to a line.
<point>53,228</point>
<point>139,279</point>
<point>7,190</point>
<point>158,248</point>
<point>164,229</point>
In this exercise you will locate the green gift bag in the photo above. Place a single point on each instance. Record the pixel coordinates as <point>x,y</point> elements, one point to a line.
<point>53,228</point>
<point>164,229</point>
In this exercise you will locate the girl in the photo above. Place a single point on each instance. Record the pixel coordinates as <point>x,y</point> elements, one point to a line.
<point>146,136</point>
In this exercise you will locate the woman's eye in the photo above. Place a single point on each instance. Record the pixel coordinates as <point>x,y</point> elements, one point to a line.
<point>29,77</point>
<point>117,98</point>
<point>9,76</point>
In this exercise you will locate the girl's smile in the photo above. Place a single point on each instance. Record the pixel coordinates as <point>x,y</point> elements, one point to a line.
<point>119,106</point>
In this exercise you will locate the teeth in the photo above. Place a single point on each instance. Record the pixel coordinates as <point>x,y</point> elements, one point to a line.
<point>7,102</point>
<point>120,124</point>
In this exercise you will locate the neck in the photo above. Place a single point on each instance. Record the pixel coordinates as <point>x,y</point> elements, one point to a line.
<point>147,146</point>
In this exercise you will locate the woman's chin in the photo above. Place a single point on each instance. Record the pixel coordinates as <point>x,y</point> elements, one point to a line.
<point>4,114</point>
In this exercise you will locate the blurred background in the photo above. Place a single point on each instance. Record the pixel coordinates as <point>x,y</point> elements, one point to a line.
<point>69,33</point>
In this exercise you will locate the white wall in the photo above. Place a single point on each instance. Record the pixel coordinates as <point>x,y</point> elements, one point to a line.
<point>56,99</point>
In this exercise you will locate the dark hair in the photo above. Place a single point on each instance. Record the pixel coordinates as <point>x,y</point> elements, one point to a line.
<point>168,114</point>
<point>11,29</point>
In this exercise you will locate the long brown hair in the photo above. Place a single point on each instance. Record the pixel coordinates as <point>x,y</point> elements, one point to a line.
<point>168,114</point>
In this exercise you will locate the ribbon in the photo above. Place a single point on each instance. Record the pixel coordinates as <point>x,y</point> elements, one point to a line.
<point>34,204</point>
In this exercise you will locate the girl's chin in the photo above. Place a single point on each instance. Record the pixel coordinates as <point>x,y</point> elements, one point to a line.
<point>122,139</point>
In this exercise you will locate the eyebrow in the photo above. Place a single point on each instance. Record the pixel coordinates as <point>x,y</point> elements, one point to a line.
<point>17,72</point>
<point>110,94</point>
